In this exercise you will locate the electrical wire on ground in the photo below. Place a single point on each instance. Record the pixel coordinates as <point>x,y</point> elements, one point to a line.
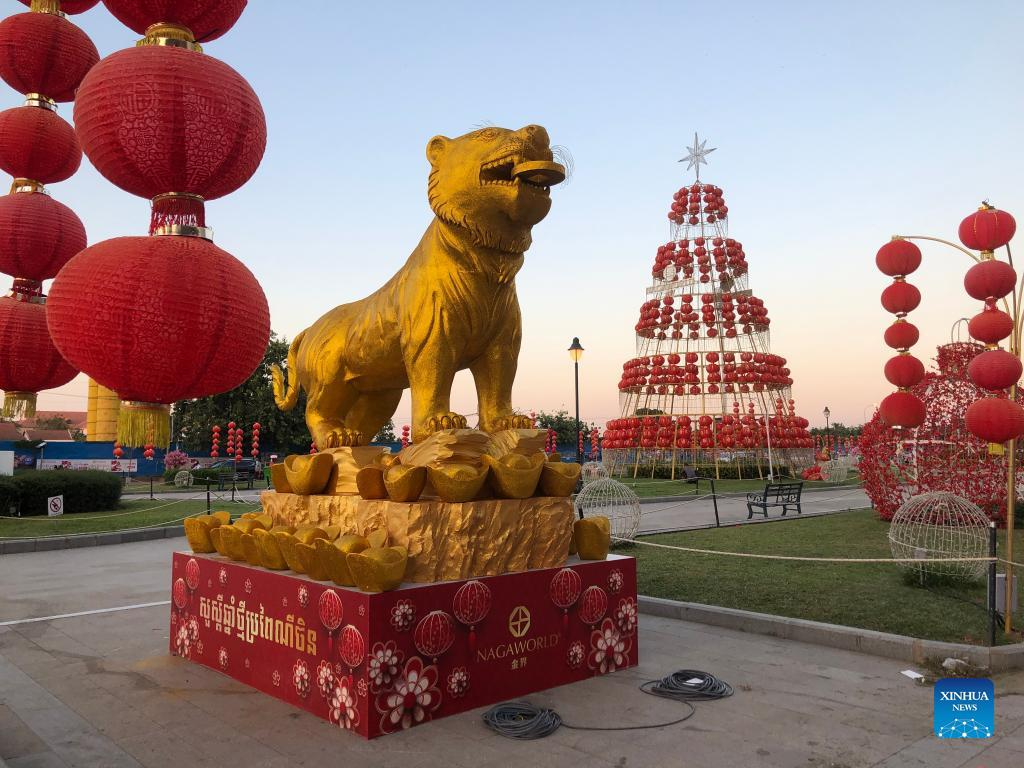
<point>525,721</point>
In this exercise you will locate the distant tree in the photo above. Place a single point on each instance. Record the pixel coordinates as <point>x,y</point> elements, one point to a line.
<point>838,429</point>
<point>387,433</point>
<point>57,421</point>
<point>564,426</point>
<point>250,402</point>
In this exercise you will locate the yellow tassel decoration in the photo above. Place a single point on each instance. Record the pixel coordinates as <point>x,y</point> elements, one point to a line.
<point>142,423</point>
<point>19,405</point>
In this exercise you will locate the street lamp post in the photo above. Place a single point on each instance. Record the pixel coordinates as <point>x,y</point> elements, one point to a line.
<point>575,353</point>
<point>828,434</point>
<point>42,448</point>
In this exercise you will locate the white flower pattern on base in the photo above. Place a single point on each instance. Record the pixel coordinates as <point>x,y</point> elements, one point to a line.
<point>383,665</point>
<point>403,613</point>
<point>300,678</point>
<point>458,682</point>
<point>343,704</point>
<point>625,616</point>
<point>609,649</point>
<point>413,698</point>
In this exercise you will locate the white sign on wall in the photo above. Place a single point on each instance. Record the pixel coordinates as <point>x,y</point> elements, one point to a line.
<point>55,505</point>
<point>105,465</point>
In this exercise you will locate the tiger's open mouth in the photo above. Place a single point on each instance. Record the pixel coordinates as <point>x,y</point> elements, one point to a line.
<point>500,172</point>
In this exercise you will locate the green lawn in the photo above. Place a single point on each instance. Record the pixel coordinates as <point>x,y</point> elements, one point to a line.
<point>131,514</point>
<point>645,486</point>
<point>872,596</point>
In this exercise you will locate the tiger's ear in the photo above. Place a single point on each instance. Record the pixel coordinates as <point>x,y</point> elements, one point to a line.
<point>436,148</point>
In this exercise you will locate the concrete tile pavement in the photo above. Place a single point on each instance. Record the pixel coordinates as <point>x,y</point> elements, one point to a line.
<point>101,690</point>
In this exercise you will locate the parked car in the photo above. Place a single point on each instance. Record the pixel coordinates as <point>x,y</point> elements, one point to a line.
<point>244,468</point>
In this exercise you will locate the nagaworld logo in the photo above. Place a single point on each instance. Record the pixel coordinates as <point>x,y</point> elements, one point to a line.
<point>964,708</point>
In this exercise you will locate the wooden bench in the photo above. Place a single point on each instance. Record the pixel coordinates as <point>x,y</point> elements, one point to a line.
<point>783,495</point>
<point>226,479</point>
<point>691,477</point>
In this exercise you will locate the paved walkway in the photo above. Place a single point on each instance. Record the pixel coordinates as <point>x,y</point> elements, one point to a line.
<point>100,690</point>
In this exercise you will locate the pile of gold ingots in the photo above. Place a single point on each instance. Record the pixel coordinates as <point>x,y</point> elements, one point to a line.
<point>324,554</point>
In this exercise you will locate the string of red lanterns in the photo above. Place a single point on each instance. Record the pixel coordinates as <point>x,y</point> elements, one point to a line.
<point>44,56</point>
<point>165,121</point>
<point>215,442</point>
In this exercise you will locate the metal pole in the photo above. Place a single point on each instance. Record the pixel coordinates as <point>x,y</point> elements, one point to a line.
<point>207,498</point>
<point>1011,504</point>
<point>992,585</point>
<point>579,426</point>
<point>714,501</point>
<point>150,487</point>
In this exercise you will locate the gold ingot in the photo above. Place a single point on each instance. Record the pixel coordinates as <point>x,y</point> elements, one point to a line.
<point>270,550</point>
<point>545,173</point>
<point>231,541</point>
<point>311,563</point>
<point>514,476</point>
<point>250,550</point>
<point>405,483</point>
<point>197,531</point>
<point>378,570</point>
<point>332,531</point>
<point>223,516</point>
<point>332,557</point>
<point>246,524</point>
<point>450,317</point>
<point>306,533</point>
<point>370,482</point>
<point>377,538</point>
<point>248,515</point>
<point>283,528</point>
<point>593,537</point>
<point>266,521</point>
<point>288,544</point>
<point>279,478</point>
<point>555,457</point>
<point>308,475</point>
<point>457,483</point>
<point>559,479</point>
<point>215,534</point>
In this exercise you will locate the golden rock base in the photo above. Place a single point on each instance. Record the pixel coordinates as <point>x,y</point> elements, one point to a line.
<point>445,541</point>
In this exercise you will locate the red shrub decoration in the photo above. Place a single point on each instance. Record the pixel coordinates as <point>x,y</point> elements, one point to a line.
<point>44,53</point>
<point>995,369</point>
<point>37,144</point>
<point>901,297</point>
<point>38,235</point>
<point>990,279</point>
<point>898,257</point>
<point>207,19</point>
<point>204,126</point>
<point>901,334</point>
<point>995,419</point>
<point>987,229</point>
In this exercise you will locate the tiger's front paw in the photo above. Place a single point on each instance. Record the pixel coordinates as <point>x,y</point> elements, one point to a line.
<point>447,420</point>
<point>512,421</point>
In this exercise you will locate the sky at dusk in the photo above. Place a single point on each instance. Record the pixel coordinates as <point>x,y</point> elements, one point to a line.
<point>836,126</point>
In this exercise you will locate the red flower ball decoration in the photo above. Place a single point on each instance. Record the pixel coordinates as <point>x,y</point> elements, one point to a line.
<point>204,128</point>
<point>902,409</point>
<point>351,646</point>
<point>904,370</point>
<point>330,609</point>
<point>434,634</point>
<point>207,19</point>
<point>565,588</point>
<point>990,279</point>
<point>995,419</point>
<point>990,326</point>
<point>901,297</point>
<point>995,369</point>
<point>70,6</point>
<point>593,604</point>
<point>136,348</point>
<point>987,229</point>
<point>902,334</point>
<point>179,593</point>
<point>38,235</point>
<point>37,144</point>
<point>898,258</point>
<point>31,362</point>
<point>192,573</point>
<point>44,53</point>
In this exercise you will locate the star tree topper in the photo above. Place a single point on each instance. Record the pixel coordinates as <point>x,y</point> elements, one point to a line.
<point>696,155</point>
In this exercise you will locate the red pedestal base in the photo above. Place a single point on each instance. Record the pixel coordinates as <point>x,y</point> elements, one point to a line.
<point>378,663</point>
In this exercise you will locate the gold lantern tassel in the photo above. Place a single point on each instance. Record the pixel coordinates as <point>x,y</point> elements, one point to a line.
<point>142,423</point>
<point>19,405</point>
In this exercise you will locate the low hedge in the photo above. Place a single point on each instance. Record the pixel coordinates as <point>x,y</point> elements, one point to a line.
<point>83,491</point>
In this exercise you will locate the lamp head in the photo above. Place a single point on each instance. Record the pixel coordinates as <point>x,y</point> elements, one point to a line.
<point>575,350</point>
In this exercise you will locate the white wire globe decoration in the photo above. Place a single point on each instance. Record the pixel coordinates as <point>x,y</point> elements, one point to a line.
<point>940,524</point>
<point>592,470</point>
<point>183,479</point>
<point>615,501</point>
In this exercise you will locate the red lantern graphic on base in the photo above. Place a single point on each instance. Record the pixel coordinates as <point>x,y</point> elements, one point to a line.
<point>331,611</point>
<point>351,647</point>
<point>179,593</point>
<point>191,576</point>
<point>434,634</point>
<point>593,605</point>
<point>471,605</point>
<point>565,591</point>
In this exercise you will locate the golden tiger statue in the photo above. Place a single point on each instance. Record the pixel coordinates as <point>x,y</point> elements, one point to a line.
<point>452,306</point>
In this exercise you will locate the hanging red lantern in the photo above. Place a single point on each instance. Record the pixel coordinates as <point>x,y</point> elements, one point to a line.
<point>904,370</point>
<point>593,604</point>
<point>901,297</point>
<point>30,361</point>
<point>990,278</point>
<point>902,409</point>
<point>206,19</point>
<point>995,369</point>
<point>987,229</point>
<point>44,53</point>
<point>898,258</point>
<point>990,326</point>
<point>136,348</point>
<point>351,646</point>
<point>38,235</point>
<point>434,634</point>
<point>995,419</point>
<point>36,144</point>
<point>205,129</point>
<point>71,7</point>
